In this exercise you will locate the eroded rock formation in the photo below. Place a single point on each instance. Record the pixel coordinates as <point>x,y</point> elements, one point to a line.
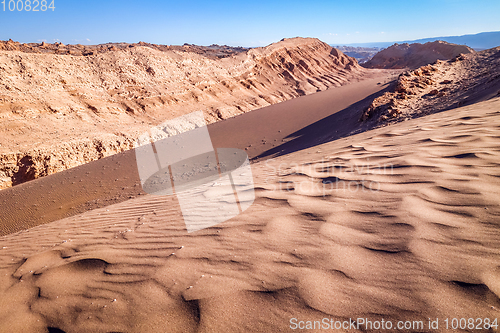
<point>55,104</point>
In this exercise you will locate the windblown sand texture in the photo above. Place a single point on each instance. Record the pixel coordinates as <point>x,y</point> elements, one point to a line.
<point>400,223</point>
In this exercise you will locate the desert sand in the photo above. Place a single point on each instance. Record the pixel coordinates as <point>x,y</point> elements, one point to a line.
<point>273,130</point>
<point>375,200</point>
<point>397,223</point>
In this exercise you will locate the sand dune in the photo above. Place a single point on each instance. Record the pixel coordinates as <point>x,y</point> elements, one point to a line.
<point>398,223</point>
<point>273,130</point>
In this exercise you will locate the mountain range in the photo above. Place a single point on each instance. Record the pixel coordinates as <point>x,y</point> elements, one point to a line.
<point>480,41</point>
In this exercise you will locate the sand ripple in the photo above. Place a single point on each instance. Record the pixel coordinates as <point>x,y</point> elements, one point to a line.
<point>400,223</point>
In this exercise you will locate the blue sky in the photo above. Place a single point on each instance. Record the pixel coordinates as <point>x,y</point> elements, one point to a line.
<point>250,23</point>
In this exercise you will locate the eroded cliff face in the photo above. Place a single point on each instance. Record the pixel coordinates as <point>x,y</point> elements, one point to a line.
<point>61,110</point>
<point>17,168</point>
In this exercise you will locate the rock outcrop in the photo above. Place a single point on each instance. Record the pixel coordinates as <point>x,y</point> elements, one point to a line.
<point>415,55</point>
<point>20,167</point>
<point>56,102</point>
<point>443,85</point>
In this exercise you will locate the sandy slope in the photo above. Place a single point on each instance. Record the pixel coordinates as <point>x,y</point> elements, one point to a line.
<point>399,223</point>
<point>276,129</point>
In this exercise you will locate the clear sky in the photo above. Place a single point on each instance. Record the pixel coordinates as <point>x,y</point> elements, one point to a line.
<point>248,23</point>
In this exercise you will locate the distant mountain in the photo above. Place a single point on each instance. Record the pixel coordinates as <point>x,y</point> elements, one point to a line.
<point>361,54</point>
<point>416,54</point>
<point>480,41</point>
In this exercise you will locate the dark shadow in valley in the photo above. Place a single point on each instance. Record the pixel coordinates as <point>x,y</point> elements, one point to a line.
<point>336,126</point>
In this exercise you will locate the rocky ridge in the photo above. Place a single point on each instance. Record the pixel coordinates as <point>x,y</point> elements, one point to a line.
<point>443,85</point>
<point>213,51</point>
<point>62,110</point>
<point>415,55</point>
